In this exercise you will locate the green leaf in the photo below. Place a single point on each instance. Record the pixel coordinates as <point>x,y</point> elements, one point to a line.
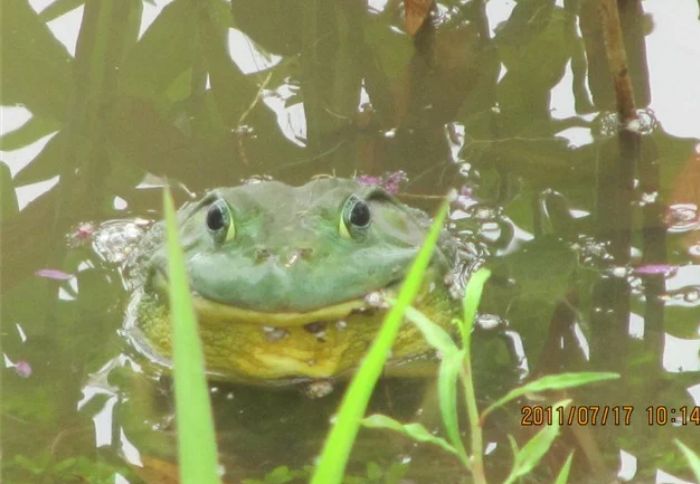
<point>58,8</point>
<point>37,127</point>
<point>532,452</point>
<point>166,50</point>
<point>336,450</point>
<point>563,476</point>
<point>513,445</point>
<point>8,197</point>
<point>470,303</point>
<point>414,431</point>
<point>447,397</point>
<point>437,337</point>
<point>195,427</point>
<point>551,382</point>
<point>37,71</point>
<point>692,458</point>
<point>232,90</point>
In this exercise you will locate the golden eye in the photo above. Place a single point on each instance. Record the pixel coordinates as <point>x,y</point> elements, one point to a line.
<point>355,218</point>
<point>220,221</point>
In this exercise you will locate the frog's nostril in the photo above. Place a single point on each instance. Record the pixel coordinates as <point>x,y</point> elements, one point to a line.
<point>305,252</point>
<point>295,255</point>
<point>262,254</point>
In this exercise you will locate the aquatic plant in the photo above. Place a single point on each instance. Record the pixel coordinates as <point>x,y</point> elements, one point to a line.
<point>455,365</point>
<point>197,454</point>
<point>336,450</point>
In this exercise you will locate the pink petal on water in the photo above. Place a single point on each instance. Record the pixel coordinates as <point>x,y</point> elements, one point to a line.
<point>23,369</point>
<point>369,180</point>
<point>390,181</point>
<point>651,269</point>
<point>84,231</point>
<point>54,274</point>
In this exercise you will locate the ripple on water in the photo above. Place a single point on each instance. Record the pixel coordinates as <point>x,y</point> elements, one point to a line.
<point>682,218</point>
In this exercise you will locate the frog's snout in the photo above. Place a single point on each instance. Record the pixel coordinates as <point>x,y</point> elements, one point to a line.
<point>286,256</point>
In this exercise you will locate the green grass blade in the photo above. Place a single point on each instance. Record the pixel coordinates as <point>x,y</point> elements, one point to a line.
<point>551,382</point>
<point>532,452</point>
<point>563,476</point>
<point>195,428</point>
<point>436,337</point>
<point>692,458</point>
<point>470,303</point>
<point>414,431</point>
<point>450,368</point>
<point>336,450</point>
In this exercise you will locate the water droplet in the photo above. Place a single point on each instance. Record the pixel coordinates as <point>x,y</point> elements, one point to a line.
<point>607,124</point>
<point>490,321</point>
<point>619,271</point>
<point>694,250</point>
<point>318,389</point>
<point>649,197</point>
<point>375,299</point>
<point>644,124</point>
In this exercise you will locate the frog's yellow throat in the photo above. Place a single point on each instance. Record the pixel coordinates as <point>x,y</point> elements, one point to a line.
<point>248,345</point>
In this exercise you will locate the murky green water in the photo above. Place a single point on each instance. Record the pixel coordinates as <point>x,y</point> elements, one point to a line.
<point>594,238</point>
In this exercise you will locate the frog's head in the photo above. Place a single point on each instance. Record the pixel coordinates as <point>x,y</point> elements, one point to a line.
<point>280,255</point>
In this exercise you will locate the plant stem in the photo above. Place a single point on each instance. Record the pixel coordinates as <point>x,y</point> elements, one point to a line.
<point>617,60</point>
<point>477,441</point>
<point>470,303</point>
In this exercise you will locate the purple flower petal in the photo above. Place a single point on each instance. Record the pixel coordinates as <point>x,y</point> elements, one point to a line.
<point>54,274</point>
<point>651,269</point>
<point>84,231</point>
<point>369,180</point>
<point>23,369</point>
<point>390,181</point>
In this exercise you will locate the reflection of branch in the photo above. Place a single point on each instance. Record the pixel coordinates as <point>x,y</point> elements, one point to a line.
<point>241,132</point>
<point>257,98</point>
<point>617,60</point>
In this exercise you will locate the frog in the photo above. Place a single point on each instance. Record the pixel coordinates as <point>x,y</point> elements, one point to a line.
<point>291,283</point>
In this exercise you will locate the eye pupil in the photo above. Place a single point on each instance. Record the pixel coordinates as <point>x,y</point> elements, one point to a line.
<point>215,217</point>
<point>359,215</point>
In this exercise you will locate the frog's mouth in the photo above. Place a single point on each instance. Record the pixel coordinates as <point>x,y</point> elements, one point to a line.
<point>209,310</point>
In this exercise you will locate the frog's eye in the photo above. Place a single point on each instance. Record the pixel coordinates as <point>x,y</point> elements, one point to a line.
<point>220,221</point>
<point>355,217</point>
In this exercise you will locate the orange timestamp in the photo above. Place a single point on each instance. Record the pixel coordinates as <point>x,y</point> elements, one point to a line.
<point>583,415</point>
<point>580,415</point>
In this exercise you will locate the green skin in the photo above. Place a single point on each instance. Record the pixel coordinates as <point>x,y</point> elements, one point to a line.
<point>288,289</point>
